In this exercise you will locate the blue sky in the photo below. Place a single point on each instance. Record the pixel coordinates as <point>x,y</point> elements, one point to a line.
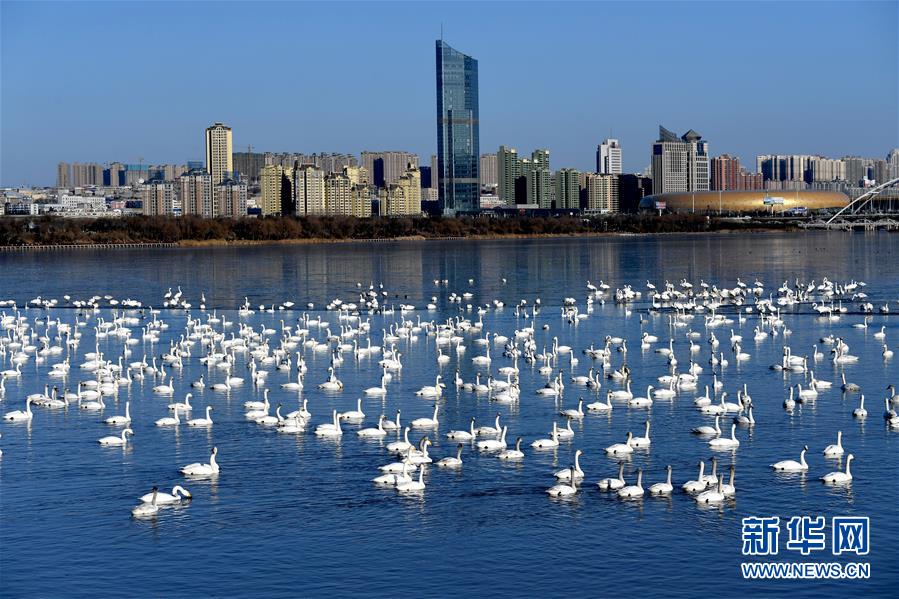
<point>121,81</point>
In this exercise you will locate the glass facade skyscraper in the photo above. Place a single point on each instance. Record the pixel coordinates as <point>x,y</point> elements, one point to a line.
<point>458,150</point>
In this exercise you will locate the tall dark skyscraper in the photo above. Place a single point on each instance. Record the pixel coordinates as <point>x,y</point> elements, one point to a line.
<point>458,144</point>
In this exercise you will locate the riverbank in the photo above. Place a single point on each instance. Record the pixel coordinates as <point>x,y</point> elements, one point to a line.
<point>193,231</point>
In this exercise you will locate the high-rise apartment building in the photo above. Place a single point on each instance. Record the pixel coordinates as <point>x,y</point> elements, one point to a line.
<point>219,156</point>
<point>63,175</point>
<point>386,168</point>
<point>601,192</point>
<point>458,131</point>
<point>309,190</point>
<point>568,191</point>
<point>275,187</point>
<point>404,197</point>
<point>893,163</point>
<point>159,198</point>
<point>358,175</point>
<point>538,179</point>
<point>825,169</point>
<point>856,169</point>
<point>725,173</point>
<point>197,194</point>
<point>114,175</point>
<point>248,164</point>
<point>231,199</point>
<point>507,171</point>
<point>84,175</point>
<point>608,157</point>
<point>487,171</point>
<point>789,167</point>
<point>680,164</point>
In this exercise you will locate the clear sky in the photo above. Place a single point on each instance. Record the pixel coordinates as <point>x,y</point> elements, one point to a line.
<point>119,81</point>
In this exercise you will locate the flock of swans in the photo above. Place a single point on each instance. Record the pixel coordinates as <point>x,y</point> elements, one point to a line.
<point>125,348</point>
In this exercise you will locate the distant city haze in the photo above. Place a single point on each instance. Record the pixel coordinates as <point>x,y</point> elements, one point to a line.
<point>140,81</point>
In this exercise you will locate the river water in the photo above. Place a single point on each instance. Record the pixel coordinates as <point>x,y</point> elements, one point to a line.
<point>296,515</point>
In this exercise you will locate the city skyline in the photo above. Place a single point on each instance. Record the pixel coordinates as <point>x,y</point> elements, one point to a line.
<point>68,118</point>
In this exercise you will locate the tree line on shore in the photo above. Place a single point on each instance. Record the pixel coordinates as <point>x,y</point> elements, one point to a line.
<point>48,230</point>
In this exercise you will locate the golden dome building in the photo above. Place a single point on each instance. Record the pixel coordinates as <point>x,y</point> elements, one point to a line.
<point>723,202</point>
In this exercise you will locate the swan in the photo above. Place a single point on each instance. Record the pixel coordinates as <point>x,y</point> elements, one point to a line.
<point>512,454</point>
<point>198,469</point>
<point>226,386</point>
<point>381,390</point>
<point>183,406</point>
<point>860,411</point>
<point>790,403</point>
<point>207,421</point>
<point>126,419</point>
<point>598,406</point>
<point>848,387</point>
<point>452,462</point>
<point>725,442</point>
<point>392,425</point>
<point>392,479</point>
<point>494,444</point>
<point>887,353</point>
<point>330,429</point>
<point>664,488</point>
<point>708,430</point>
<point>565,473</point>
<point>745,420</point>
<point>258,405</point>
<point>550,443</point>
<point>665,393</point>
<point>147,509</point>
<point>169,420</point>
<point>356,415</point>
<point>412,486</point>
<point>621,448</point>
<point>427,422</point>
<point>836,449</point>
<point>93,406</point>
<point>633,491</point>
<point>462,435</point>
<point>483,431</point>
<point>565,489</point>
<point>178,494</point>
<point>482,360</point>
<point>695,486</point>
<point>400,446</point>
<point>613,484</point>
<point>333,383</point>
<point>116,440</point>
<point>792,465</point>
<point>623,393</point>
<point>431,391</point>
<point>728,488</point>
<point>806,394</point>
<point>643,441</point>
<point>840,477</point>
<point>267,420</point>
<point>376,432</point>
<point>574,414</point>
<point>712,495</point>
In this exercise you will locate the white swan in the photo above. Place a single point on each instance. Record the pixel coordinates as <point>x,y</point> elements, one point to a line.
<point>182,406</point>
<point>147,509</point>
<point>178,494</point>
<point>577,414</point>
<point>512,454</point>
<point>550,443</point>
<point>452,462</point>
<point>353,415</point>
<point>695,486</point>
<point>20,415</point>
<point>613,484</point>
<point>426,422</point>
<point>431,391</point>
<point>116,440</point>
<point>376,432</point>
<point>565,489</point>
<point>198,469</point>
<point>494,444</point>
<point>330,429</point>
<point>708,430</point>
<point>565,473</point>
<point>633,491</point>
<point>207,421</point>
<point>400,446</point>
<point>643,441</point>
<point>412,486</point>
<point>598,406</point>
<point>715,495</point>
<point>169,420</point>
<point>117,420</point>
<point>621,448</point>
<point>725,442</point>
<point>793,465</point>
<point>860,411</point>
<point>836,449</point>
<point>460,435</point>
<point>664,488</point>
<point>840,477</point>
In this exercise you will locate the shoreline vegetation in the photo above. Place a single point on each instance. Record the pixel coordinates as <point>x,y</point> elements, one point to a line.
<point>191,231</point>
